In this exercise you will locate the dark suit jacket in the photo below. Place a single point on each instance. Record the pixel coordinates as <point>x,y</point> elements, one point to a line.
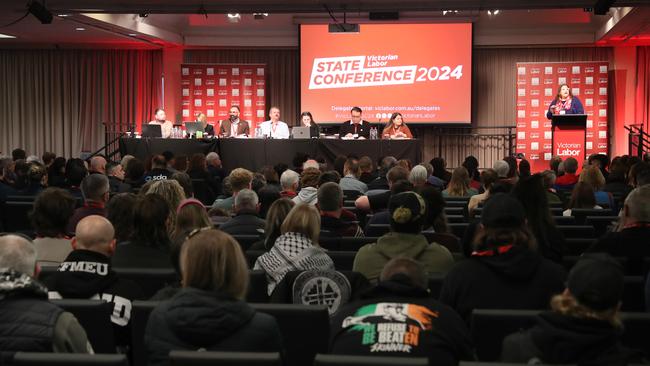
<point>242,129</point>
<point>363,129</point>
<point>209,130</point>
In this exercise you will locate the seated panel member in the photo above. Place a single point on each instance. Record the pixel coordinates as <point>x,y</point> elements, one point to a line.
<point>307,120</point>
<point>564,103</point>
<point>207,128</point>
<point>234,126</point>
<point>396,128</point>
<point>356,126</point>
<point>160,118</point>
<point>274,128</point>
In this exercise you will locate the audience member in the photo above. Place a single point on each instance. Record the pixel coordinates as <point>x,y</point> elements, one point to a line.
<point>440,169</point>
<point>381,182</point>
<point>550,241</point>
<point>296,249</point>
<point>582,196</point>
<point>271,176</point>
<point>330,205</point>
<point>210,312</point>
<point>488,178</point>
<point>134,173</point>
<point>308,187</point>
<point>119,211</point>
<point>190,215</point>
<point>215,167</point>
<point>273,223</point>
<point>125,161</point>
<point>18,154</point>
<point>524,169</point>
<point>48,158</point>
<point>407,215</point>
<point>554,164</point>
<point>53,208</point>
<point>267,195</point>
<point>96,190</point>
<point>159,169</point>
<point>198,170</point>
<point>594,177</point>
<point>401,303</point>
<point>583,327</point>
<point>351,174</point>
<point>115,175</point>
<point>97,165</point>
<point>75,172</point>
<point>258,182</point>
<point>569,179</point>
<point>631,239</point>
<point>149,244</point>
<point>367,169</point>
<point>289,181</point>
<point>418,176</point>
<point>28,322</point>
<point>471,164</point>
<point>432,180</point>
<point>238,179</point>
<point>246,220</point>
<point>382,217</point>
<point>184,180</point>
<point>617,180</point>
<point>36,179</point>
<point>172,192</point>
<point>504,271</point>
<point>86,273</point>
<point>56,173</point>
<point>459,184</point>
<point>552,195</point>
<point>379,201</point>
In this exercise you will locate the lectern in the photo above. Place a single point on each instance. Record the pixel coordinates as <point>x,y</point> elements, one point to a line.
<point>570,136</point>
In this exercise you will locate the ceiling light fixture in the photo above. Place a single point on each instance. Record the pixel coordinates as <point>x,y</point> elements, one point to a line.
<point>133,34</point>
<point>260,16</point>
<point>63,15</point>
<point>80,29</point>
<point>445,12</point>
<point>6,36</point>
<point>233,17</point>
<point>493,12</point>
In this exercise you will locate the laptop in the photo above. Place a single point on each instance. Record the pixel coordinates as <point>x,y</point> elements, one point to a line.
<point>192,127</point>
<point>151,130</point>
<point>300,132</point>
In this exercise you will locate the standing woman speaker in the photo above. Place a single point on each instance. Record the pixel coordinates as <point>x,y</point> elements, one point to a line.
<point>564,103</point>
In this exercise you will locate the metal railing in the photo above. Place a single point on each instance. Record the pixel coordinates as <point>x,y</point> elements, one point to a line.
<point>638,140</point>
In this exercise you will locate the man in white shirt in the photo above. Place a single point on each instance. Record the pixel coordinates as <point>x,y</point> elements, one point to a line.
<point>160,118</point>
<point>274,128</point>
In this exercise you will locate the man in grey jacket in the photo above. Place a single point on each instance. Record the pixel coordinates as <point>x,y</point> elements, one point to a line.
<point>24,301</point>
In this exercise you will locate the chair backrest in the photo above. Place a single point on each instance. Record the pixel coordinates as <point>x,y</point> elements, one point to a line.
<point>435,284</point>
<point>456,218</point>
<point>577,231</point>
<point>448,241</point>
<point>601,223</point>
<point>458,229</point>
<point>343,261</point>
<point>196,358</point>
<point>564,220</point>
<point>150,280</point>
<point>347,360</point>
<point>488,328</point>
<point>95,317</point>
<point>577,246</point>
<point>68,359</point>
<point>245,241</point>
<point>257,287</point>
<point>345,243</point>
<point>15,214</point>
<point>140,311</point>
<point>581,213</point>
<point>304,329</point>
<point>454,211</point>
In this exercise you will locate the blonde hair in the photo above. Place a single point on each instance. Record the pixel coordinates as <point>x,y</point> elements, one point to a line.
<point>212,260</point>
<point>191,216</point>
<point>592,176</point>
<point>303,219</point>
<point>459,183</point>
<point>172,192</point>
<point>240,178</point>
<point>567,304</point>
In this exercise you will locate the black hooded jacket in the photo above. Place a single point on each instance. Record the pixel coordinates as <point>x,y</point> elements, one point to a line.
<point>196,319</point>
<point>563,339</point>
<point>518,278</point>
<point>399,319</point>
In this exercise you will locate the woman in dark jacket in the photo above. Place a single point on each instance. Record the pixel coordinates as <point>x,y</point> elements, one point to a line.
<point>209,312</point>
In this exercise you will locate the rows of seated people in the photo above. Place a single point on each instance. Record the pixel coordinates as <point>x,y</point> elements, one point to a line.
<point>402,260</point>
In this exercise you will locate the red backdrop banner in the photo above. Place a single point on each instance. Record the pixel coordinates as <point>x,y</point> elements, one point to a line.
<point>213,88</point>
<point>537,85</point>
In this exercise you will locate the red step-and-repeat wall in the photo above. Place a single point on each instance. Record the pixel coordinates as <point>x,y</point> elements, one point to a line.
<point>213,88</point>
<point>537,85</point>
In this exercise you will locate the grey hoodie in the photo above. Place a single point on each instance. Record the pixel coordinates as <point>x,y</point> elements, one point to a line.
<point>306,195</point>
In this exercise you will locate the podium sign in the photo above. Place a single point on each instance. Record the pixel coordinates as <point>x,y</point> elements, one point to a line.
<point>569,136</point>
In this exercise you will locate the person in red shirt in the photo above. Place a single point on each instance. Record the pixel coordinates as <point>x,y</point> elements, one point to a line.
<point>569,178</point>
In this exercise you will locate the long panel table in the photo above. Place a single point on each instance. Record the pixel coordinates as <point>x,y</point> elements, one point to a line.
<point>253,154</point>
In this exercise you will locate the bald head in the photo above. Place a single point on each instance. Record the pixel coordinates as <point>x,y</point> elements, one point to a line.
<point>18,253</point>
<point>98,164</point>
<point>637,205</point>
<point>95,233</point>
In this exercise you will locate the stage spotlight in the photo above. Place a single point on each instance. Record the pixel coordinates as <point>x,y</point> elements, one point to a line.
<point>40,12</point>
<point>233,17</point>
<point>493,12</point>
